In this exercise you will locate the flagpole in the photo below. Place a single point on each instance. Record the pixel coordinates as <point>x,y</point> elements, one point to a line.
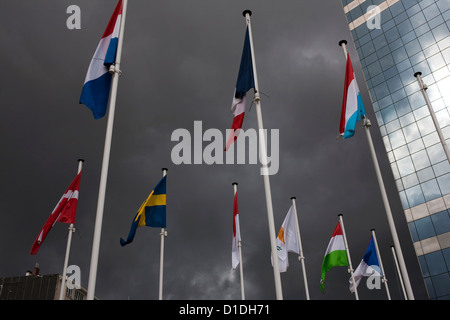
<point>383,279</point>
<point>423,88</point>
<point>241,268</point>
<point>264,169</point>
<point>163,234</point>
<point>387,208</point>
<point>115,70</point>
<point>69,242</point>
<point>399,273</point>
<point>350,267</point>
<point>301,257</point>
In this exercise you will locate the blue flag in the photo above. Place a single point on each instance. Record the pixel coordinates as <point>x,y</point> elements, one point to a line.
<point>369,265</point>
<point>152,212</point>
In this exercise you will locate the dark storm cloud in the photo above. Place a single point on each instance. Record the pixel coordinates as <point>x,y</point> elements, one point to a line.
<point>180,61</point>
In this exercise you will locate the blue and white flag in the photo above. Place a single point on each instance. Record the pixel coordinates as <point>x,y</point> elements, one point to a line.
<point>369,265</point>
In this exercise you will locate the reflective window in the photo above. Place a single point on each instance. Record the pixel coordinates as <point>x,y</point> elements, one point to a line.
<point>411,132</point>
<point>424,228</point>
<point>414,196</point>
<point>441,222</point>
<point>436,263</point>
<point>444,183</point>
<point>431,190</point>
<point>441,284</point>
<point>420,160</point>
<point>397,139</point>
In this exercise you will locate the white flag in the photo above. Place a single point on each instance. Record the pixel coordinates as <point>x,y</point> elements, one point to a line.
<point>287,240</point>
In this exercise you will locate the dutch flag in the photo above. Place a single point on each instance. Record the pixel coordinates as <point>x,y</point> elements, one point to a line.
<point>352,105</point>
<point>97,84</point>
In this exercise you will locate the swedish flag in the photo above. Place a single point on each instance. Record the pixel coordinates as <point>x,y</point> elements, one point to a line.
<point>152,212</point>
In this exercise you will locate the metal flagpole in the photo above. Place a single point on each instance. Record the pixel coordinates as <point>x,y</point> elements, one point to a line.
<point>423,88</point>
<point>69,242</point>
<point>383,279</point>
<point>241,268</point>
<point>350,267</point>
<point>399,273</point>
<point>387,207</point>
<point>264,169</point>
<point>301,257</point>
<point>163,234</point>
<point>115,70</point>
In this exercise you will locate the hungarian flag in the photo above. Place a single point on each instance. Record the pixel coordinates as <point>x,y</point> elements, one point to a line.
<point>287,240</point>
<point>245,82</point>
<point>97,84</point>
<point>352,104</point>
<point>64,211</point>
<point>236,234</point>
<point>335,255</point>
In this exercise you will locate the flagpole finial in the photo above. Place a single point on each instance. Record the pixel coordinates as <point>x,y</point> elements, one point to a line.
<point>234,183</point>
<point>293,198</point>
<point>340,215</point>
<point>247,11</point>
<point>165,169</point>
<point>342,42</point>
<point>372,229</point>
<point>82,160</point>
<point>418,73</point>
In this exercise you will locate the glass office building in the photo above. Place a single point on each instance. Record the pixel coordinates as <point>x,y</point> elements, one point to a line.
<point>394,39</point>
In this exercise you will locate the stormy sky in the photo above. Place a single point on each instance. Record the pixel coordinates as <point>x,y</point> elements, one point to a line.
<point>179,65</point>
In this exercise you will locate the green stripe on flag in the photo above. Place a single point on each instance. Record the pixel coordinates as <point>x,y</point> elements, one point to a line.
<point>335,258</point>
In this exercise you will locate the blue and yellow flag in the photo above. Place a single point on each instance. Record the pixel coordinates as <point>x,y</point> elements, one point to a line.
<point>152,212</point>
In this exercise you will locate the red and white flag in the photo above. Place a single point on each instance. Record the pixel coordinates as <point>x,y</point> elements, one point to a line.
<point>64,211</point>
<point>236,234</point>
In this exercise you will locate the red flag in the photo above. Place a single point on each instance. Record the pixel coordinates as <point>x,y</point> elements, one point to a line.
<point>64,212</point>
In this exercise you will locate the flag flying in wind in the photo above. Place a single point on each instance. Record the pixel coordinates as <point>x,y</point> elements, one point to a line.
<point>287,240</point>
<point>369,265</point>
<point>236,234</point>
<point>97,84</point>
<point>152,212</point>
<point>245,82</point>
<point>352,104</point>
<point>335,254</point>
<point>64,212</point>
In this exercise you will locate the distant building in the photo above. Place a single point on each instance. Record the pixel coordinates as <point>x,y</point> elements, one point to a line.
<point>33,286</point>
<point>394,39</point>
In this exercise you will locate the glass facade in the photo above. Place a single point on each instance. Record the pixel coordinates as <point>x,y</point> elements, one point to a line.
<point>394,39</point>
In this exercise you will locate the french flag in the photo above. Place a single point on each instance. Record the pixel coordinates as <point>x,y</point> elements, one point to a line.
<point>95,93</point>
<point>245,82</point>
<point>352,105</point>
<point>369,265</point>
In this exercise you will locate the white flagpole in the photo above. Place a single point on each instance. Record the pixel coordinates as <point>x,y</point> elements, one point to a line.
<point>163,234</point>
<point>423,88</point>
<point>115,70</point>
<point>69,242</point>
<point>387,207</point>
<point>301,257</point>
<point>399,273</point>
<point>264,169</point>
<point>350,267</point>
<point>383,279</point>
<point>241,267</point>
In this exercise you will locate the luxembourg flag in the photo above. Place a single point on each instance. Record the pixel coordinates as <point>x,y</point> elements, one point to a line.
<point>245,82</point>
<point>64,211</point>
<point>236,235</point>
<point>95,93</point>
<point>369,266</point>
<point>352,105</point>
